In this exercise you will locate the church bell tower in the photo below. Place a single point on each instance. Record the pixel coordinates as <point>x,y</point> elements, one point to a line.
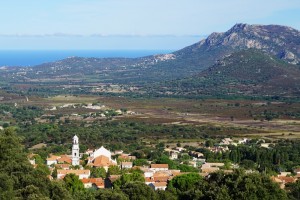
<point>75,151</point>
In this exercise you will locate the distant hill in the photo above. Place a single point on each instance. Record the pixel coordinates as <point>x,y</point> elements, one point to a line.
<point>246,60</point>
<point>246,72</point>
<point>279,41</point>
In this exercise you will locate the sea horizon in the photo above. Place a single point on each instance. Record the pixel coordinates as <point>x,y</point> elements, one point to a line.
<point>27,58</point>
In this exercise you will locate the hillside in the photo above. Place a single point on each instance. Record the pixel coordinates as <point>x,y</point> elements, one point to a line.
<point>246,72</point>
<point>279,41</point>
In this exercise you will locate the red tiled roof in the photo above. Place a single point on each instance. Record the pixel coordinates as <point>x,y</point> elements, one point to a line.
<point>286,179</point>
<point>159,166</point>
<point>102,161</point>
<point>161,179</point>
<point>53,158</point>
<point>64,159</point>
<point>77,172</point>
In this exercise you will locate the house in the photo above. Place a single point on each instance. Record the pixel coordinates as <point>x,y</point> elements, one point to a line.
<point>97,183</point>
<point>174,155</point>
<point>128,157</point>
<point>211,167</point>
<point>147,173</point>
<point>64,159</point>
<point>81,173</point>
<point>283,180</point>
<point>126,165</point>
<point>52,160</point>
<point>159,167</point>
<point>149,180</point>
<point>159,186</point>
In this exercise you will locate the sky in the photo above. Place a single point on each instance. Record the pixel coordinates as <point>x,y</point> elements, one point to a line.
<point>131,24</point>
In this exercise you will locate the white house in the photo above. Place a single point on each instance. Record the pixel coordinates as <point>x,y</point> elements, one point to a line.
<point>52,160</point>
<point>159,167</point>
<point>126,165</point>
<point>174,156</point>
<point>159,185</point>
<point>81,173</point>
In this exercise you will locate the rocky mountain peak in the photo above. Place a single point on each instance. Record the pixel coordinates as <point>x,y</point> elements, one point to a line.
<point>280,41</point>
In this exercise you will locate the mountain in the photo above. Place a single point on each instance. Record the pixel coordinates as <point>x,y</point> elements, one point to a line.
<point>279,42</point>
<point>274,49</point>
<point>247,72</point>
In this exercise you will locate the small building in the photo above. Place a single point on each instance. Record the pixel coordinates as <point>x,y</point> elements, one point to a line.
<point>211,167</point>
<point>81,173</point>
<point>128,157</point>
<point>174,156</point>
<point>52,160</point>
<point>126,165</point>
<point>149,180</point>
<point>148,173</point>
<point>159,167</point>
<point>97,183</point>
<point>159,185</point>
<point>64,159</point>
<point>283,180</point>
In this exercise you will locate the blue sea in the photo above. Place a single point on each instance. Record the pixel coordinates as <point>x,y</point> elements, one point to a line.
<point>35,57</point>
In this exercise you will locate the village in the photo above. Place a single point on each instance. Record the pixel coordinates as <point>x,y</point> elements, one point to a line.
<point>155,175</point>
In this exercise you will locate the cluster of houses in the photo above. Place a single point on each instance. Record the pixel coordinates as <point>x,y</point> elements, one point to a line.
<point>155,175</point>
<point>286,177</point>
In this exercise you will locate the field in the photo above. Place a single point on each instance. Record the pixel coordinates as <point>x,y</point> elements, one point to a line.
<point>253,116</point>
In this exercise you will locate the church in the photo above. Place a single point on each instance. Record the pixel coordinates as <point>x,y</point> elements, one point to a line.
<point>101,158</point>
<point>98,158</point>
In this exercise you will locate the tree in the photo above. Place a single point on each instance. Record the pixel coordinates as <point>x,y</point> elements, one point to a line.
<point>113,170</point>
<point>186,182</point>
<point>108,194</point>
<point>18,177</point>
<point>98,172</point>
<point>73,183</point>
<point>140,162</point>
<point>59,191</point>
<point>294,189</point>
<point>139,191</point>
<point>126,178</point>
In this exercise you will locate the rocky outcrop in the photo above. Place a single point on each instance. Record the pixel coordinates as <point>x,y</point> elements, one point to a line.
<point>280,41</point>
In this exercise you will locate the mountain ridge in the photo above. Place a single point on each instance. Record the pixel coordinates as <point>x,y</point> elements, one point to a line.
<point>247,72</point>
<point>279,42</point>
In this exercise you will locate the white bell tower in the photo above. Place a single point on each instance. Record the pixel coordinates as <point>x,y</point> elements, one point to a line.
<point>75,151</point>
